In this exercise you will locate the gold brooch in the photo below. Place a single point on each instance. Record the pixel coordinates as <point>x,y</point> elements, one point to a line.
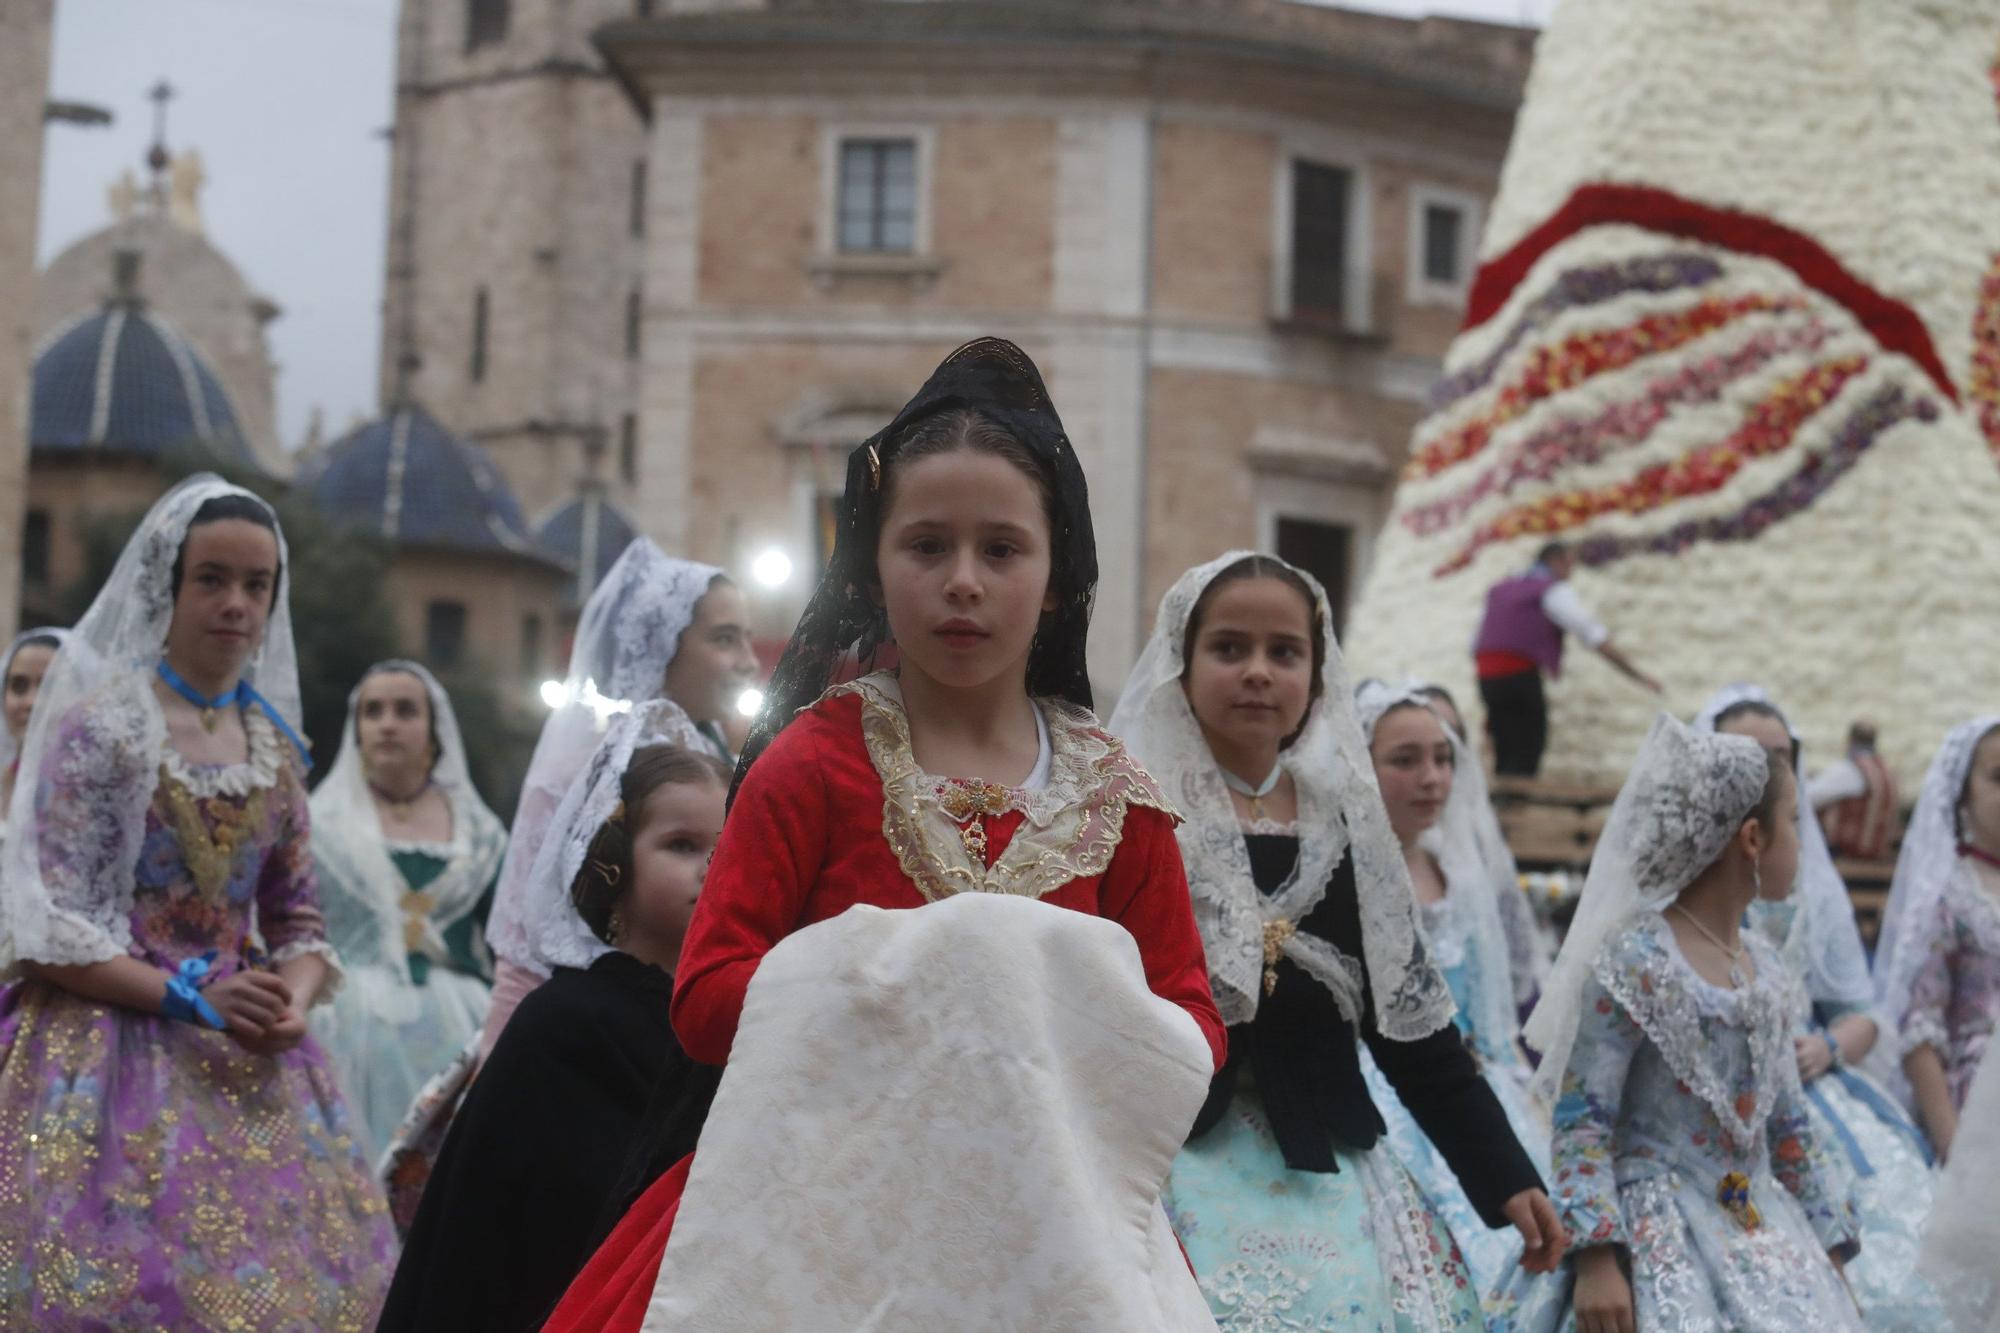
<point>1275,935</point>
<point>1733,1193</point>
<point>965,802</point>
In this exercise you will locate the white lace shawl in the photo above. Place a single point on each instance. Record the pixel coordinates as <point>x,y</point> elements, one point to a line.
<point>1340,813</point>
<point>353,855</point>
<point>1668,1000</point>
<point>1686,796</point>
<point>556,935</point>
<point>625,640</point>
<point>1924,870</point>
<point>1469,881</point>
<point>1823,945</point>
<point>67,882</point>
<point>8,748</point>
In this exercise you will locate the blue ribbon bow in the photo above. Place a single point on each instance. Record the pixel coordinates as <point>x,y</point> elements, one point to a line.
<point>184,1001</point>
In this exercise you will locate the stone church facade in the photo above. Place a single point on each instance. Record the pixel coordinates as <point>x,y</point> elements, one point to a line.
<point>1237,235</point>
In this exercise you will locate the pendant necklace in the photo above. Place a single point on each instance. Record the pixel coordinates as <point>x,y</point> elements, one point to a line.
<point>400,806</point>
<point>1257,793</point>
<point>209,716</point>
<point>1735,956</point>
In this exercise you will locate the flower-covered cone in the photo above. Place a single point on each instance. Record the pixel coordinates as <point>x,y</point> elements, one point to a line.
<point>1736,339</point>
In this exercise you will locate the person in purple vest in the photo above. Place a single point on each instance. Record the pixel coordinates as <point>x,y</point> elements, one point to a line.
<point>1520,637</point>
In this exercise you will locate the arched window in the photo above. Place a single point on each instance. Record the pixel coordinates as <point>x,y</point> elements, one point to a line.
<point>485,21</point>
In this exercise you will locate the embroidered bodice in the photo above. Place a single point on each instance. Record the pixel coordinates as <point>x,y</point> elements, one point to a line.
<point>1674,1076</point>
<point>225,860</point>
<point>1955,999</point>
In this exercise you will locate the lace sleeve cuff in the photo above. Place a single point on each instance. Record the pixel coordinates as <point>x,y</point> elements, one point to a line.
<point>335,974</point>
<point>1922,1029</point>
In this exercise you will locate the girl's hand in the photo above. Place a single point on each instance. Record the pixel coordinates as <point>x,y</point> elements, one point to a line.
<point>1603,1296</point>
<point>249,1002</point>
<point>1541,1234</point>
<point>282,1035</point>
<point>1814,1054</point>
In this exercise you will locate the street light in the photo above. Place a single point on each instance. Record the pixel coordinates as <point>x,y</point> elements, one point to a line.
<point>772,568</point>
<point>750,702</point>
<point>553,694</point>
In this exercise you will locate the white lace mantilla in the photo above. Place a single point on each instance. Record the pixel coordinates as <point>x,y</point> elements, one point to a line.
<point>1668,1000</point>
<point>1340,816</point>
<point>1073,823</point>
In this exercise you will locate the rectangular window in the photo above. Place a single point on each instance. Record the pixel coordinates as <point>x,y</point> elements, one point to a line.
<point>531,645</point>
<point>1320,196</point>
<point>1323,550</point>
<point>628,448</point>
<point>633,316</point>
<point>479,316</point>
<point>485,22</point>
<point>444,634</point>
<point>635,222</point>
<point>35,547</point>
<point>1444,237</point>
<point>878,196</point>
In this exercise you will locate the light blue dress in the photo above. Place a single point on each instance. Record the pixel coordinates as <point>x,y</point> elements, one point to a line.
<point>1883,1159</point>
<point>1455,951</point>
<point>1681,1134</point>
<point>1280,1251</point>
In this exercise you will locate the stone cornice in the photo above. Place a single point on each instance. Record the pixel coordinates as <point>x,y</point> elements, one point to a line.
<point>1110,48</point>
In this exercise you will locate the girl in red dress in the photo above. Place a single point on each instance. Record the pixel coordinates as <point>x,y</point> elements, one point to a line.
<point>977,767</point>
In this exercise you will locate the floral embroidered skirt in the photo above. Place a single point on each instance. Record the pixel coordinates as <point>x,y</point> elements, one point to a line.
<point>389,1038</point>
<point>1490,1253</point>
<point>1278,1249</point>
<point>1697,1269</point>
<point>1863,1127</point>
<point>155,1175</point>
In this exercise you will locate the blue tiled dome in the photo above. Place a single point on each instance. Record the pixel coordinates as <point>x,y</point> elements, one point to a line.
<point>409,479</point>
<point>124,380</point>
<point>589,533</point>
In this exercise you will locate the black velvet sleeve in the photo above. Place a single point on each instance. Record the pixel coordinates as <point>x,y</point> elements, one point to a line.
<point>1439,1082</point>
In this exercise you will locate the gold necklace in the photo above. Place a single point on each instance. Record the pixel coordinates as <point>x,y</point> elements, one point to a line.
<point>1735,956</point>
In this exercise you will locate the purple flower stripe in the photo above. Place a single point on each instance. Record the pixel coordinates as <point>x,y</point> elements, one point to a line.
<point>1621,425</point>
<point>1815,474</point>
<point>1581,287</point>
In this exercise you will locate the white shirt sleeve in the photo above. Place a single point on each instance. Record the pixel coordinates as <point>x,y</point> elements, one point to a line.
<point>1561,604</point>
<point>1841,781</point>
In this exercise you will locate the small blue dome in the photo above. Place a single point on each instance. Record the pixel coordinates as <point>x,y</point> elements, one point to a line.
<point>409,479</point>
<point>124,380</point>
<point>589,533</point>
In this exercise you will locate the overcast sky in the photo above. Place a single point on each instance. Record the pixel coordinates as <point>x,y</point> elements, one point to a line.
<point>286,100</point>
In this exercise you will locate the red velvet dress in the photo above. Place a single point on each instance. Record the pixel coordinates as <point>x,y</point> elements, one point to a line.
<point>811,835</point>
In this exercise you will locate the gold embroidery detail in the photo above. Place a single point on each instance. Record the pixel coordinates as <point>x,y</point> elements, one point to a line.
<point>966,803</point>
<point>1072,828</point>
<point>417,909</point>
<point>211,854</point>
<point>1275,935</point>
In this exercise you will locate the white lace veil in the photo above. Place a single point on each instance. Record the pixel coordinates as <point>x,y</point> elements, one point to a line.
<point>558,936</point>
<point>1823,945</point>
<point>353,855</point>
<point>625,640</point>
<point>1924,868</point>
<point>1469,879</point>
<point>1340,812</point>
<point>8,749</point>
<point>98,723</point>
<point>1685,798</point>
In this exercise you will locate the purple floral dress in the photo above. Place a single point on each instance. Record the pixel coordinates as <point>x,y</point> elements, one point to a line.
<point>154,1174</point>
<point>1955,999</point>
